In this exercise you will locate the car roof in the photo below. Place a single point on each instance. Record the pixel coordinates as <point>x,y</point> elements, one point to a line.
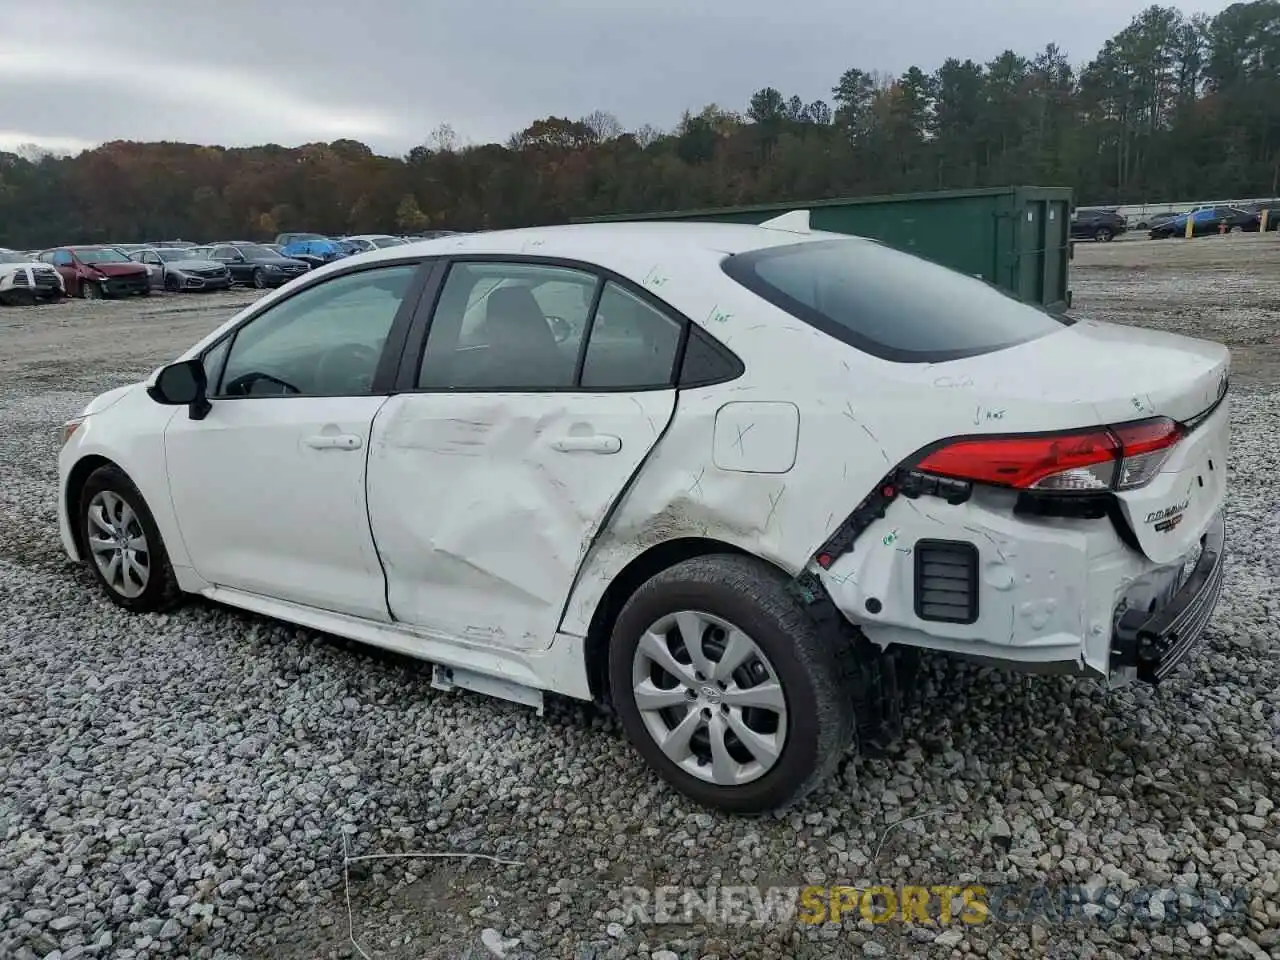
<point>612,244</point>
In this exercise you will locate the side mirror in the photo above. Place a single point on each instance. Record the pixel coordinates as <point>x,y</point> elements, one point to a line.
<point>182,384</point>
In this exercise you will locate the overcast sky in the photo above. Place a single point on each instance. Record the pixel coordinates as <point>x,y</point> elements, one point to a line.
<point>386,72</point>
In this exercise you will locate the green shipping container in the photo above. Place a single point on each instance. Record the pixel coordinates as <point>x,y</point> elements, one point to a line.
<point>1017,238</point>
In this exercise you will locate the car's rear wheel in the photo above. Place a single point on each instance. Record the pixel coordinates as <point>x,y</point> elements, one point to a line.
<point>1103,234</point>
<point>726,687</point>
<point>122,544</point>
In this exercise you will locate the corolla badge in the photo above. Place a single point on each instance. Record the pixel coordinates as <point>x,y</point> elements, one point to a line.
<point>1166,518</point>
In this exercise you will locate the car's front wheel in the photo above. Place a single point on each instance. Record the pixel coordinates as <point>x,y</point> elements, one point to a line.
<point>260,279</point>
<point>726,686</point>
<point>90,290</point>
<point>1104,234</point>
<point>122,544</point>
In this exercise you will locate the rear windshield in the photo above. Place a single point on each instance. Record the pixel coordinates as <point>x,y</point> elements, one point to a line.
<point>887,303</point>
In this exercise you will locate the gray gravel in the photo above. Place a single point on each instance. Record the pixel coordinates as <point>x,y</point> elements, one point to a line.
<point>185,785</point>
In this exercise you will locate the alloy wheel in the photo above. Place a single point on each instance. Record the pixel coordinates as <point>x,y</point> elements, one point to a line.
<point>710,698</point>
<point>118,544</point>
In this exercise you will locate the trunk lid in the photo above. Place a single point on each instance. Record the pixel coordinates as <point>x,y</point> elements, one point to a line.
<point>1094,373</point>
<point>1121,372</point>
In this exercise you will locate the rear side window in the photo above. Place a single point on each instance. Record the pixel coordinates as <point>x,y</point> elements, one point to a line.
<point>888,303</point>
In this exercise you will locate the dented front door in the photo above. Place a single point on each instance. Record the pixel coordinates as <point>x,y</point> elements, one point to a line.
<point>483,504</point>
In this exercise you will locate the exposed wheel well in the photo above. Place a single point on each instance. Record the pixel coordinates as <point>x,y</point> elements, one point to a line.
<point>648,564</point>
<point>75,483</point>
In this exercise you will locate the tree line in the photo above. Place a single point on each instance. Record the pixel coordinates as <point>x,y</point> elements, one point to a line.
<point>1173,107</point>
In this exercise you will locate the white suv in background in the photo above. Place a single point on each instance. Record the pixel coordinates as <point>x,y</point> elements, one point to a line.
<point>26,281</point>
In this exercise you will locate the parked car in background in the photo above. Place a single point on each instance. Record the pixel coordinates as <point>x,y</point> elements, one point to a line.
<point>256,264</point>
<point>284,239</point>
<point>175,269</point>
<point>324,251</point>
<point>310,261</point>
<point>1101,225</point>
<point>24,280</point>
<point>1158,219</point>
<point>171,245</point>
<point>1272,208</point>
<point>433,234</point>
<point>1207,221</point>
<point>365,242</point>
<point>95,272</point>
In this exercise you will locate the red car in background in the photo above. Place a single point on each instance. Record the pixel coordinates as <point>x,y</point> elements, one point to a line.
<point>98,272</point>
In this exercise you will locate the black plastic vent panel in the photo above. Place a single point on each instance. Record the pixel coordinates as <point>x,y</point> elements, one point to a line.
<point>946,581</point>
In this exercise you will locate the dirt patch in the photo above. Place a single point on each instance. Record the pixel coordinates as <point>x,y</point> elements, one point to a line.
<point>58,345</point>
<point>1217,288</point>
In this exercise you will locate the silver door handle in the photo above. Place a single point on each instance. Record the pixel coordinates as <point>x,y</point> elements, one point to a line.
<point>334,441</point>
<point>588,443</point>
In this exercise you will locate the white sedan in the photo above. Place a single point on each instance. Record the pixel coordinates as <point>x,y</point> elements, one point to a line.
<point>719,476</point>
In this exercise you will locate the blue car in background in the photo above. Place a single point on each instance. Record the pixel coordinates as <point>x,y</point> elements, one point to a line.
<point>314,251</point>
<point>1206,221</point>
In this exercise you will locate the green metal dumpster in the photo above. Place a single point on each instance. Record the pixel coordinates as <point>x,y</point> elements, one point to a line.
<point>1015,237</point>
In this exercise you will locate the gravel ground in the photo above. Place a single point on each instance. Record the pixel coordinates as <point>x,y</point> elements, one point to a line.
<point>185,785</point>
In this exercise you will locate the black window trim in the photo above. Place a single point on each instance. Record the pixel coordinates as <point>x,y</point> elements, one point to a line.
<point>406,378</point>
<point>392,348</point>
<point>740,269</point>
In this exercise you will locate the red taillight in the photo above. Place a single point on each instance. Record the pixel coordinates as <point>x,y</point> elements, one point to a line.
<point>1104,458</point>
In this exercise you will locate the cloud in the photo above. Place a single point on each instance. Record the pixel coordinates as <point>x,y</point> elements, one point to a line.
<point>388,71</point>
<point>190,90</point>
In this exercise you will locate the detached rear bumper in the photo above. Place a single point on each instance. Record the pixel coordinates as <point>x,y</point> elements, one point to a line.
<point>1155,643</point>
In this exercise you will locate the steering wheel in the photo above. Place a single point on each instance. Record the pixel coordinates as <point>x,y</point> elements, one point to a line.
<point>349,366</point>
<point>242,385</point>
<point>561,328</point>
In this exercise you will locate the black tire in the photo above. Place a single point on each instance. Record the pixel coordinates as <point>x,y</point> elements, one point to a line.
<point>145,291</point>
<point>808,665</point>
<point>171,283</point>
<point>1103,234</point>
<point>86,286</point>
<point>259,279</point>
<point>161,591</point>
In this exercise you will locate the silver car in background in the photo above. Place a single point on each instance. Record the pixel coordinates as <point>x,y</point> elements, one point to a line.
<point>176,269</point>
<point>366,242</point>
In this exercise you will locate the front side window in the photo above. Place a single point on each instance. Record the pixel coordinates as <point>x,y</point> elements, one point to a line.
<point>325,341</point>
<point>62,258</point>
<point>888,303</point>
<point>507,326</point>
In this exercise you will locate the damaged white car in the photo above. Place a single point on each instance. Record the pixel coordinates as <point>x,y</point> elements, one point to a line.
<point>723,477</point>
<point>24,281</point>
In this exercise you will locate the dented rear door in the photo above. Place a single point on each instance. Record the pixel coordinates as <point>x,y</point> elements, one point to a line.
<point>482,505</point>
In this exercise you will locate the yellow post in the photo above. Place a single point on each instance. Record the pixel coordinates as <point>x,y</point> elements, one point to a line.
<point>1191,226</point>
<point>1262,223</point>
